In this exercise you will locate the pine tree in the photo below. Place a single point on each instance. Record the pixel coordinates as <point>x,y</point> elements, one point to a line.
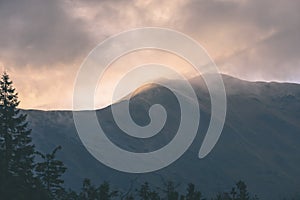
<point>16,149</point>
<point>105,193</point>
<point>129,197</point>
<point>242,191</point>
<point>171,193</point>
<point>192,193</point>
<point>88,191</point>
<point>145,193</point>
<point>238,192</point>
<point>233,193</point>
<point>50,171</point>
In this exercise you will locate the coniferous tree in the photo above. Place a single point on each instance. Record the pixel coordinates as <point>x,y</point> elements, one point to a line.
<point>105,193</point>
<point>145,193</point>
<point>170,192</point>
<point>192,193</point>
<point>129,197</point>
<point>88,191</point>
<point>71,195</point>
<point>16,149</point>
<point>242,191</point>
<point>238,192</point>
<point>50,171</point>
<point>233,193</point>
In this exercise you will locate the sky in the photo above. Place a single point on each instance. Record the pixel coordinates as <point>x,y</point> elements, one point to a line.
<point>44,42</point>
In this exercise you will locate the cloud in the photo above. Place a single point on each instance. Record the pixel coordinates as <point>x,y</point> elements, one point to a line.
<point>40,33</point>
<point>249,38</point>
<point>42,42</point>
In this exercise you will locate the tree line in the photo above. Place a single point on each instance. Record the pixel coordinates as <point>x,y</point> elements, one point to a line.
<point>27,174</point>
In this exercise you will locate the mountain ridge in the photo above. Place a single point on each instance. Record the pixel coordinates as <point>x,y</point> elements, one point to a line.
<point>259,144</point>
<point>224,76</point>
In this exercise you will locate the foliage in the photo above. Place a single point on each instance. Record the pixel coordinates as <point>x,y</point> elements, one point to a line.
<point>90,192</point>
<point>145,193</point>
<point>17,179</point>
<point>50,171</point>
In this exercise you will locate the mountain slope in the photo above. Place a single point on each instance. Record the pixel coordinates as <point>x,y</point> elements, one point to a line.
<point>259,144</point>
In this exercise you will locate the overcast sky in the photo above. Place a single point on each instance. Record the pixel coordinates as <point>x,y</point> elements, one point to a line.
<point>43,42</point>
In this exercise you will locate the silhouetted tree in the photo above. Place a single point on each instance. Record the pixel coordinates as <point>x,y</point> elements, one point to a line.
<point>192,193</point>
<point>105,193</point>
<point>129,197</point>
<point>242,191</point>
<point>16,150</point>
<point>170,192</point>
<point>233,193</point>
<point>88,191</point>
<point>238,192</point>
<point>50,171</point>
<point>145,193</point>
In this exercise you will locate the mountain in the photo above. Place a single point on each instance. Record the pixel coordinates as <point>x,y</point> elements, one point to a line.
<point>259,143</point>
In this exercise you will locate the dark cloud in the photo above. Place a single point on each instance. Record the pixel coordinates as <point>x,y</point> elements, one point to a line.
<point>40,32</point>
<point>250,39</point>
<point>49,32</point>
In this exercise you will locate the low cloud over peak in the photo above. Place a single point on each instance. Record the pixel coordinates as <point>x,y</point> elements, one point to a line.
<point>254,40</point>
